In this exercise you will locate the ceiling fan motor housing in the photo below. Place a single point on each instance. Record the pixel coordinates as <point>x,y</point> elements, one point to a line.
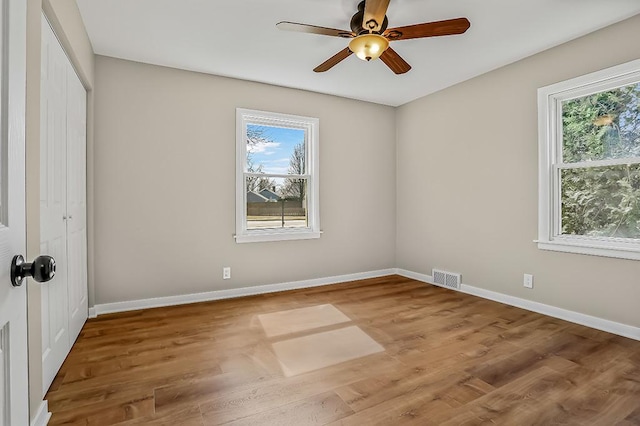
<point>359,27</point>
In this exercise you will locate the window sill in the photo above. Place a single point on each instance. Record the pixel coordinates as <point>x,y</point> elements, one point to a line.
<point>257,237</point>
<point>590,248</point>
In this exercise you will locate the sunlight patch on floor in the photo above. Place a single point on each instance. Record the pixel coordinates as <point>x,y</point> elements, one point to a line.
<point>315,350</point>
<point>302,319</point>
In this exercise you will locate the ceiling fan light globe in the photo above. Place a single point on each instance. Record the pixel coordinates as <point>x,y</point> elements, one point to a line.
<point>369,46</point>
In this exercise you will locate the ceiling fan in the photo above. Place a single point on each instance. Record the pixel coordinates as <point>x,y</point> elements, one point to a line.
<point>370,36</point>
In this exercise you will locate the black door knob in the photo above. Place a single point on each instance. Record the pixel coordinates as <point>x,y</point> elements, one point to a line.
<point>42,269</point>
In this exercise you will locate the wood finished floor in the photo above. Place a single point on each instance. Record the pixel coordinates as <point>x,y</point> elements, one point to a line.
<point>449,359</point>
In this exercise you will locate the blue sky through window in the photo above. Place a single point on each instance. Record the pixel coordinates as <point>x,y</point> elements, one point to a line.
<point>273,147</point>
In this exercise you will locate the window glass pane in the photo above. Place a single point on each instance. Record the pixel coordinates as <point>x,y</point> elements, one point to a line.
<point>601,201</point>
<point>276,202</point>
<point>602,126</point>
<point>275,150</point>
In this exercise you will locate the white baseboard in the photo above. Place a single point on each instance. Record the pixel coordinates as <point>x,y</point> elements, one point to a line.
<point>43,415</point>
<point>552,311</point>
<point>157,302</point>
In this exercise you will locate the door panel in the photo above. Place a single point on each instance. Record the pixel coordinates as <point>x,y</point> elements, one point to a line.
<point>55,335</point>
<point>77,276</point>
<point>14,404</point>
<point>53,93</point>
<point>76,204</point>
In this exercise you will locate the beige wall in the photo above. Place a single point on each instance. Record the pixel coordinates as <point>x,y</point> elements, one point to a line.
<point>164,184</point>
<point>67,23</point>
<point>467,184</point>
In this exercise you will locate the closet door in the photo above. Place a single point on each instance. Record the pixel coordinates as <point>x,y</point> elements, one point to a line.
<point>63,223</point>
<point>76,204</point>
<point>53,228</point>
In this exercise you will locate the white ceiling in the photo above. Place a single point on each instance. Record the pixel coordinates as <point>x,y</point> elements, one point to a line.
<point>239,38</point>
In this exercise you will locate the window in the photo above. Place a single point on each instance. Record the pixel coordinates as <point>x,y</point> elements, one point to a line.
<point>589,164</point>
<point>276,177</point>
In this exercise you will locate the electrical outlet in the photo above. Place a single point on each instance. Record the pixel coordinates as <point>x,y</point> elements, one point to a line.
<point>528,280</point>
<point>226,273</point>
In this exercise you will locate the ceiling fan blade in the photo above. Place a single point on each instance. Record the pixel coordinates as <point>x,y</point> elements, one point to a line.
<point>334,60</point>
<point>429,29</point>
<point>374,12</point>
<point>394,61</point>
<point>312,29</point>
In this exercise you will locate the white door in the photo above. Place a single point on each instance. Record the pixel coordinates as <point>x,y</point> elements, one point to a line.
<point>53,215</point>
<point>63,203</point>
<point>14,400</point>
<point>76,203</point>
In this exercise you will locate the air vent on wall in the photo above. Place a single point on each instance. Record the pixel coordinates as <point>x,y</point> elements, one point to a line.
<point>446,279</point>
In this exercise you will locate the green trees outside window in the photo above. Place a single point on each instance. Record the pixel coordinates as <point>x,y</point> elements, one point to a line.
<point>600,167</point>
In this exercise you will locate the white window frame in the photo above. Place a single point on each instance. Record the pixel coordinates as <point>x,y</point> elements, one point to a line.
<point>311,126</point>
<point>550,99</point>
